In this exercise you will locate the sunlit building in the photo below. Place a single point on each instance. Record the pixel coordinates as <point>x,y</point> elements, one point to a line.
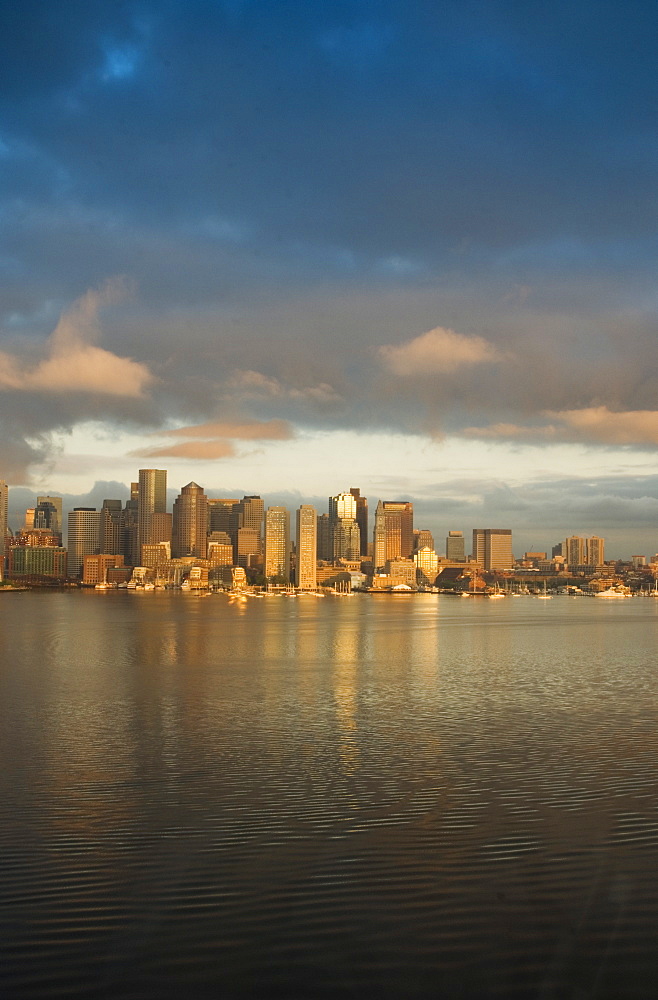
<point>393,535</point>
<point>189,531</point>
<point>83,525</point>
<point>277,544</point>
<point>361,518</point>
<point>306,544</point>
<point>455,550</point>
<point>151,499</point>
<point>4,513</point>
<point>492,548</point>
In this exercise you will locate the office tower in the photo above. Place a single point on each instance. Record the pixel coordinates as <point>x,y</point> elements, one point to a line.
<point>325,544</point>
<point>220,548</point>
<point>129,516</point>
<point>455,546</point>
<point>84,524</point>
<point>345,534</point>
<point>423,539</point>
<point>222,516</point>
<point>4,514</point>
<point>110,541</point>
<point>29,518</point>
<point>393,536</point>
<point>426,561</point>
<point>249,531</point>
<point>595,551</point>
<point>277,544</point>
<point>574,551</point>
<point>190,523</point>
<point>492,547</point>
<point>306,544</point>
<point>361,518</point>
<point>151,499</point>
<point>55,502</point>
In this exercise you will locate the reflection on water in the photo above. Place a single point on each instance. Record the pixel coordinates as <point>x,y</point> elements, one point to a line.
<point>394,796</point>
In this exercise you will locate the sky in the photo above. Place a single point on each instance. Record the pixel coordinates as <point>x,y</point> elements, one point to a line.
<point>289,248</point>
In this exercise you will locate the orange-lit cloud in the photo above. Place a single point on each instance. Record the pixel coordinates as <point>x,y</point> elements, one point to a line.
<point>439,351</point>
<point>594,424</point>
<point>256,384</point>
<point>253,430</point>
<point>201,450</point>
<point>73,362</point>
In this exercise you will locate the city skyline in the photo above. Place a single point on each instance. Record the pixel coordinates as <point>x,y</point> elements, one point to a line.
<point>309,245</point>
<point>172,501</point>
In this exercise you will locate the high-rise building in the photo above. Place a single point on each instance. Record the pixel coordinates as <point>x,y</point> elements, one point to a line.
<point>129,516</point>
<point>393,536</point>
<point>110,540</point>
<point>82,537</point>
<point>189,534</point>
<point>574,551</point>
<point>595,551</point>
<point>325,544</point>
<point>361,518</point>
<point>345,534</point>
<point>249,531</point>
<point>306,544</point>
<point>423,539</point>
<point>151,499</point>
<point>222,516</point>
<point>56,503</point>
<point>455,546</point>
<point>492,548</point>
<point>277,543</point>
<point>4,513</point>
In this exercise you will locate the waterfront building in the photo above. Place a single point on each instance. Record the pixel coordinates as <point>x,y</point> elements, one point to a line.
<point>151,499</point>
<point>423,539</point>
<point>156,554</point>
<point>361,519</point>
<point>37,561</point>
<point>83,525</point>
<point>190,522</point>
<point>95,567</point>
<point>343,526</point>
<point>492,547</point>
<point>455,550</point>
<point>277,544</point>
<point>306,546</point>
<point>427,562</point>
<point>393,535</point>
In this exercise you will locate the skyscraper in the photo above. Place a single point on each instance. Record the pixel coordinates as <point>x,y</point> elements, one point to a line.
<point>361,518</point>
<point>82,538</point>
<point>305,568</point>
<point>492,547</point>
<point>393,535</point>
<point>249,531</point>
<point>189,535</point>
<point>55,502</point>
<point>110,540</point>
<point>345,535</point>
<point>595,551</point>
<point>455,546</point>
<point>151,499</point>
<point>277,543</point>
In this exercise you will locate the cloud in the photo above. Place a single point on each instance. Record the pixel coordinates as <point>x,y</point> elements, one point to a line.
<point>254,430</point>
<point>439,351</point>
<point>200,450</point>
<point>593,424</point>
<point>257,385</point>
<point>73,362</point>
<point>218,437</point>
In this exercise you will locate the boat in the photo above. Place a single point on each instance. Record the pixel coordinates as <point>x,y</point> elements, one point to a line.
<point>545,596</point>
<point>613,592</point>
